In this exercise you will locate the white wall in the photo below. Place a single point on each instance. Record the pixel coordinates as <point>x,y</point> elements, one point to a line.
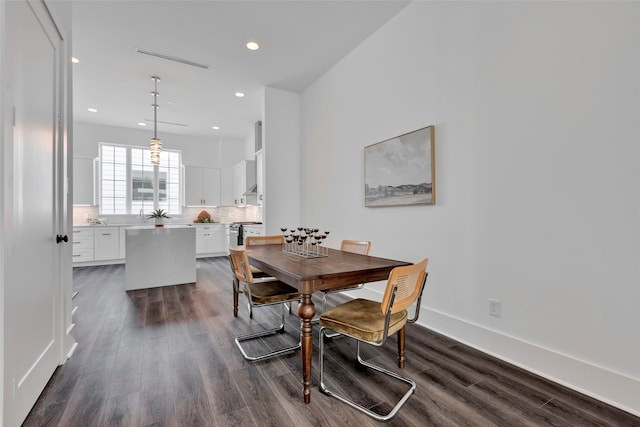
<point>213,153</point>
<point>281,143</point>
<point>536,109</point>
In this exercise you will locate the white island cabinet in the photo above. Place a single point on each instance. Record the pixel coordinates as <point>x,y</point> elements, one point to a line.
<point>160,256</point>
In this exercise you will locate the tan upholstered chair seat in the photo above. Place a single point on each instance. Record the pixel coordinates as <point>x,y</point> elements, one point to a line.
<point>362,319</point>
<point>271,292</point>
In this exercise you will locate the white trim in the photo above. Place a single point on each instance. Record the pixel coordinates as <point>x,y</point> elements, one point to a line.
<point>35,364</point>
<point>73,348</point>
<point>604,384</point>
<point>3,140</point>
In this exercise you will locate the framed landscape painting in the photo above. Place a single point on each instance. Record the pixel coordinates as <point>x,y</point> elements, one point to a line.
<point>401,171</point>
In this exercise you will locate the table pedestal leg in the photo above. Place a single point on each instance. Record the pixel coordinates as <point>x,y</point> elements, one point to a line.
<point>402,333</point>
<point>306,311</point>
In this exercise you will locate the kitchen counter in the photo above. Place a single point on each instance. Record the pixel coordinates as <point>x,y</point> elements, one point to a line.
<point>159,256</point>
<point>150,224</point>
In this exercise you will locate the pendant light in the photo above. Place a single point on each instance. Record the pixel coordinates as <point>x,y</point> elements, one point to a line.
<point>156,145</point>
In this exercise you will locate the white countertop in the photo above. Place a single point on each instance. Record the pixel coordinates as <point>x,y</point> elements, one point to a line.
<point>153,227</point>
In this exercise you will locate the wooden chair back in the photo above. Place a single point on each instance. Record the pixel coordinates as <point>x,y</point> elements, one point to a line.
<point>357,247</point>
<point>276,239</point>
<point>409,281</point>
<point>240,265</point>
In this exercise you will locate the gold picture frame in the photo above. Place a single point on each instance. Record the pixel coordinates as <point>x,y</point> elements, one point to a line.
<point>400,171</point>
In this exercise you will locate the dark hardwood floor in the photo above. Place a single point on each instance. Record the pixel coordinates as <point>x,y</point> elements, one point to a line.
<point>166,357</point>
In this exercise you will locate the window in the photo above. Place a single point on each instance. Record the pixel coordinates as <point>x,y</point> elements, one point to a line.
<point>126,180</point>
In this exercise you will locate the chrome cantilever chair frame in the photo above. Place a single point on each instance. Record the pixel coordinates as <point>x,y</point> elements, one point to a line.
<point>263,240</point>
<point>364,248</point>
<point>271,331</point>
<point>323,388</point>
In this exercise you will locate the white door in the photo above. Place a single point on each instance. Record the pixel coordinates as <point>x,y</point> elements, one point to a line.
<point>32,280</point>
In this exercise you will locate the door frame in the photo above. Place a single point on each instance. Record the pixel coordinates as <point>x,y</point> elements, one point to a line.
<point>52,17</point>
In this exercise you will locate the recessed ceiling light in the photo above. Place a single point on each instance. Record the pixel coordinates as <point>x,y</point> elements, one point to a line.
<point>253,46</point>
<point>93,110</point>
<point>215,127</point>
<point>142,124</point>
<point>239,94</point>
<point>74,60</point>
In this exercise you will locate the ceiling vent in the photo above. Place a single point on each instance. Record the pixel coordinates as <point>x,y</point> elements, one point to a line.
<point>167,123</point>
<point>171,58</point>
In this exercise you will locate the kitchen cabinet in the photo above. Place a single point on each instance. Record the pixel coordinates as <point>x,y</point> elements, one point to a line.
<point>83,181</point>
<point>244,179</point>
<point>123,240</point>
<point>260,176</point>
<point>252,230</point>
<point>106,243</point>
<point>202,186</point>
<point>210,239</point>
<point>82,244</point>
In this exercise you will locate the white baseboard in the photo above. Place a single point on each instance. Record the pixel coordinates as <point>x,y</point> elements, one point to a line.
<point>70,352</point>
<point>606,385</point>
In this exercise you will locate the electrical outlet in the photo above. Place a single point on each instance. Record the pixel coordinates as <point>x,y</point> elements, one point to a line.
<point>495,307</point>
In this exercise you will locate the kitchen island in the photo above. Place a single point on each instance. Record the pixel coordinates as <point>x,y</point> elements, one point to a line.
<point>160,256</point>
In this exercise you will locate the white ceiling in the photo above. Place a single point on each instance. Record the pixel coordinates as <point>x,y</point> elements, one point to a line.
<point>300,40</point>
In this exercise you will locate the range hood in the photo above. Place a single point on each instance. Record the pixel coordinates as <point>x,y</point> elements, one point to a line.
<point>251,191</point>
<point>244,183</point>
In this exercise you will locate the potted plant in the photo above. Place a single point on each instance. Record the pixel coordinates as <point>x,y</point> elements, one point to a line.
<point>159,215</point>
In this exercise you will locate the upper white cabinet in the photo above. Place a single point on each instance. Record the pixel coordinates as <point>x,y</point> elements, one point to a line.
<point>83,181</point>
<point>244,178</point>
<point>260,176</point>
<point>202,186</point>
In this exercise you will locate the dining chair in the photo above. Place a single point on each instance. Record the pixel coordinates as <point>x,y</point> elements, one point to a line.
<point>276,239</point>
<point>261,292</point>
<point>356,247</point>
<point>372,322</point>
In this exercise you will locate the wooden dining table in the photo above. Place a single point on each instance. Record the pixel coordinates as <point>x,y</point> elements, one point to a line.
<point>337,270</point>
